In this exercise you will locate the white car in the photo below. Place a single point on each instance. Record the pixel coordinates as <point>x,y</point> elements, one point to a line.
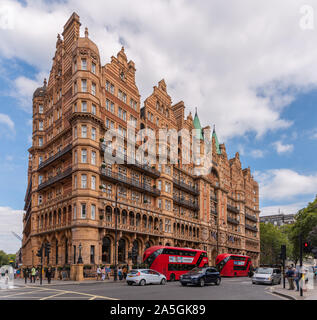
<point>145,276</point>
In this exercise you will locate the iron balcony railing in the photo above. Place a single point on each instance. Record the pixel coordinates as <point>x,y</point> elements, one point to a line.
<point>232,209</point>
<point>55,156</point>
<point>152,172</point>
<point>247,226</point>
<point>186,203</point>
<point>186,187</point>
<point>55,179</point>
<point>252,218</point>
<point>232,220</point>
<point>132,183</point>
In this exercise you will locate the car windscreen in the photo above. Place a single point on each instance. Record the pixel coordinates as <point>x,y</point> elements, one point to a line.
<point>196,270</point>
<point>264,270</point>
<point>134,271</point>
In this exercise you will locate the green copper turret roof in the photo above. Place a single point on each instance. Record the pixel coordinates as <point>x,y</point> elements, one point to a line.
<point>197,125</point>
<point>214,134</point>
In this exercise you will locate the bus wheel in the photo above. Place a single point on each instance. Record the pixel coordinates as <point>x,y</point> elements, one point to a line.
<point>202,282</point>
<point>172,277</point>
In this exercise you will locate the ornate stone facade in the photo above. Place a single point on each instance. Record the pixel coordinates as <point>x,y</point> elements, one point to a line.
<point>70,199</point>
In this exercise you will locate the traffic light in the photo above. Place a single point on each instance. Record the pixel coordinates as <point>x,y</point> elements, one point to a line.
<point>39,252</point>
<point>283,252</point>
<point>47,249</point>
<point>307,248</point>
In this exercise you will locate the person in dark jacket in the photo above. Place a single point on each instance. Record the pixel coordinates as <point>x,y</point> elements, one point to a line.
<point>25,274</point>
<point>49,275</point>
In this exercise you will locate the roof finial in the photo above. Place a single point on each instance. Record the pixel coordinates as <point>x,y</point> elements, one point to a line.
<point>196,110</point>
<point>45,83</point>
<point>86,32</point>
<point>214,128</point>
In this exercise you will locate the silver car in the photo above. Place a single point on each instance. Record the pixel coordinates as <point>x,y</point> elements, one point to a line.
<point>267,276</point>
<point>145,276</point>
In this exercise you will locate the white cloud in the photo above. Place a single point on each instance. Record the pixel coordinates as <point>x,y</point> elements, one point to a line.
<point>240,65</point>
<point>10,220</point>
<point>286,209</point>
<point>257,153</point>
<point>285,184</point>
<point>6,120</point>
<point>283,148</point>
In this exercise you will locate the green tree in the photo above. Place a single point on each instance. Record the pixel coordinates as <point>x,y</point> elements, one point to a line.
<point>4,258</point>
<point>272,237</point>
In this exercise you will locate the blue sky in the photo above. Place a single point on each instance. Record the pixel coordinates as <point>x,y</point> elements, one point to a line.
<point>249,69</point>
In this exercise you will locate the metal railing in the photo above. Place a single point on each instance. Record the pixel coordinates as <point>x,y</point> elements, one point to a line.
<point>186,203</point>
<point>232,209</point>
<point>247,226</point>
<point>185,186</point>
<point>232,220</point>
<point>252,218</point>
<point>55,156</point>
<point>55,179</point>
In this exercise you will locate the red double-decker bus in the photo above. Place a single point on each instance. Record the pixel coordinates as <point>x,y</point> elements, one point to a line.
<point>233,265</point>
<point>173,261</point>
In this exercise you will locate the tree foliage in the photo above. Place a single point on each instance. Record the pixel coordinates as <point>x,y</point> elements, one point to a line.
<point>6,258</point>
<point>272,237</point>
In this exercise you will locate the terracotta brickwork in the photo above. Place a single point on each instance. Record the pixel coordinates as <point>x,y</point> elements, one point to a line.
<point>70,199</point>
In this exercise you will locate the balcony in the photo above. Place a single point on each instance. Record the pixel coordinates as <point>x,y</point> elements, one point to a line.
<point>247,226</point>
<point>233,221</point>
<point>55,179</point>
<point>115,177</point>
<point>148,170</point>
<point>186,203</point>
<point>232,209</point>
<point>185,187</point>
<point>55,157</point>
<point>252,218</point>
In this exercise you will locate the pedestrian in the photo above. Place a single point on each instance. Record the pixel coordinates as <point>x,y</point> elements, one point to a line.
<point>49,274</point>
<point>120,274</point>
<point>124,271</point>
<point>108,272</point>
<point>103,273</point>
<point>25,274</point>
<point>290,278</point>
<point>33,274</point>
<point>98,273</point>
<point>6,277</point>
<point>297,278</point>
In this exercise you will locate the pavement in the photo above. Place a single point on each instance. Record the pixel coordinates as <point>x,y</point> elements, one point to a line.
<point>309,294</point>
<point>229,289</point>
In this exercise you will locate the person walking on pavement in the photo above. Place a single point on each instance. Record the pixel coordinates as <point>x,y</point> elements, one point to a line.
<point>49,275</point>
<point>290,278</point>
<point>99,273</point>
<point>124,271</point>
<point>25,274</point>
<point>33,274</point>
<point>120,274</point>
<point>103,273</point>
<point>297,278</point>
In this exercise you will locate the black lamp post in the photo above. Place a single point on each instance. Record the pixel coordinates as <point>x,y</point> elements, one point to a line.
<point>80,259</point>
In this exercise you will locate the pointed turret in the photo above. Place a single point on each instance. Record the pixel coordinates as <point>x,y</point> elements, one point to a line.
<point>197,126</point>
<point>214,135</point>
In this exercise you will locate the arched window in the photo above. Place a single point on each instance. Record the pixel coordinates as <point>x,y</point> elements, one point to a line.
<point>106,250</point>
<point>108,214</point>
<point>122,251</point>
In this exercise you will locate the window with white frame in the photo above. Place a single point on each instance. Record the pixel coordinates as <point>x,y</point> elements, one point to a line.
<point>40,179</point>
<point>84,106</point>
<point>41,109</point>
<point>93,109</point>
<point>83,211</point>
<point>75,156</point>
<point>93,89</point>
<point>93,134</point>
<point>93,182</point>
<point>84,85</point>
<point>84,131</point>
<point>75,182</point>
<point>84,181</point>
<point>41,125</point>
<point>93,67</point>
<point>84,156</point>
<point>83,64</point>
<point>93,211</point>
<point>93,157</point>
<point>74,211</point>
<point>40,141</point>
